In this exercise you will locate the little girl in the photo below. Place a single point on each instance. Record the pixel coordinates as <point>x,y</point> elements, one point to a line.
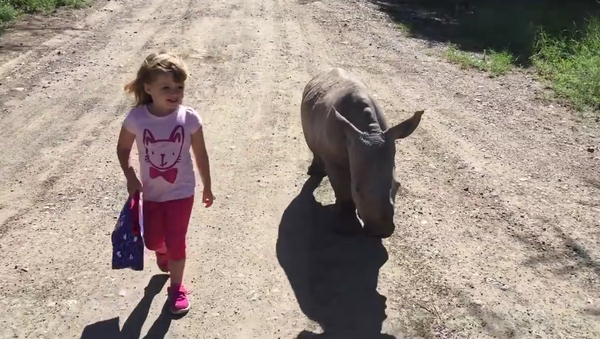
<point>164,130</point>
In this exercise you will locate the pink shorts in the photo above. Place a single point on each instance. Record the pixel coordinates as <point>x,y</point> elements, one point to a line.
<point>166,224</point>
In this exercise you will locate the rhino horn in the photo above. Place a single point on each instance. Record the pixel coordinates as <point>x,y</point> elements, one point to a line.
<point>405,128</point>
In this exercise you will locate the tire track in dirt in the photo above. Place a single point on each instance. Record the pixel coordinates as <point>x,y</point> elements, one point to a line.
<point>32,68</point>
<point>18,65</point>
<point>246,123</point>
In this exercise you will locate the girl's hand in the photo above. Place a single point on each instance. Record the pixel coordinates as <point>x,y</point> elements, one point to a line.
<point>124,145</point>
<point>199,148</point>
<point>133,185</point>
<point>207,198</point>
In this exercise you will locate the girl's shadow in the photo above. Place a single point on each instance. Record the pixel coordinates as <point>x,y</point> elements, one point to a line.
<point>132,327</point>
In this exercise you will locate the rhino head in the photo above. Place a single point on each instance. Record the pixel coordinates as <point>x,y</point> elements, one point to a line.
<point>372,157</point>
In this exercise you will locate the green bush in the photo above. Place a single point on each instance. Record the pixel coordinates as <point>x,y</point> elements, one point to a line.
<point>9,9</point>
<point>7,12</point>
<point>572,64</point>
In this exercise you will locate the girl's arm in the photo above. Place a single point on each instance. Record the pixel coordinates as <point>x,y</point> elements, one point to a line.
<point>199,148</point>
<point>124,145</point>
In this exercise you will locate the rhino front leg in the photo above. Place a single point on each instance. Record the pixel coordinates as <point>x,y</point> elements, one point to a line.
<point>340,182</point>
<point>317,167</point>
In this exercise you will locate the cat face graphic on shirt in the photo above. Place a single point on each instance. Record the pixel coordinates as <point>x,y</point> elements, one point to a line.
<point>163,154</point>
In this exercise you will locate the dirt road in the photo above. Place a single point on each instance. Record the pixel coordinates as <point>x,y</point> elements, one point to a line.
<point>498,213</point>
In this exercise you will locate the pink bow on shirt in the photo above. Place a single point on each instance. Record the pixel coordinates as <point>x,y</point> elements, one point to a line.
<point>169,175</point>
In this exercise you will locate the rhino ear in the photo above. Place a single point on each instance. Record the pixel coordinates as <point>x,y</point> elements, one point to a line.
<point>349,129</point>
<point>405,128</point>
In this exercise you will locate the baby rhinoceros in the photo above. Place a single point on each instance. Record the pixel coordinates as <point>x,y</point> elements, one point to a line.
<point>354,146</point>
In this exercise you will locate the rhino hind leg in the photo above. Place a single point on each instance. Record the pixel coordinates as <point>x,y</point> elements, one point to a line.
<point>317,167</point>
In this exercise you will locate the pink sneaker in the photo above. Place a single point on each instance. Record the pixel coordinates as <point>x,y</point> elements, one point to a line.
<point>162,261</point>
<point>178,300</point>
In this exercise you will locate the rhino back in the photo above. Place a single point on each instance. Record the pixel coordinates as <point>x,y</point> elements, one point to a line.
<point>321,130</point>
<point>348,94</point>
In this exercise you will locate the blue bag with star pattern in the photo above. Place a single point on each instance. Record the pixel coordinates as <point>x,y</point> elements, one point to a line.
<point>127,237</point>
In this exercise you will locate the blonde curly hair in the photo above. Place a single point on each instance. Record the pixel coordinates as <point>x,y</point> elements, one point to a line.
<point>155,64</point>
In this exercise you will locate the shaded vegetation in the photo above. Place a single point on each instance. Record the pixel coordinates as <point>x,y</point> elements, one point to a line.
<point>479,25</point>
<point>10,9</point>
<point>561,38</point>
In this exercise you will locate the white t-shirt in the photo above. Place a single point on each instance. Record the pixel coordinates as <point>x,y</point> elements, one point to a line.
<point>167,171</point>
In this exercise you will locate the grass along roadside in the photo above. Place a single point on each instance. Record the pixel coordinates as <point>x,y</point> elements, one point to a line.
<point>497,63</point>
<point>560,40</point>
<point>571,64</point>
<point>11,9</point>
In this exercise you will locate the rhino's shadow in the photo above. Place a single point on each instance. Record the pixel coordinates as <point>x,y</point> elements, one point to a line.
<point>333,277</point>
